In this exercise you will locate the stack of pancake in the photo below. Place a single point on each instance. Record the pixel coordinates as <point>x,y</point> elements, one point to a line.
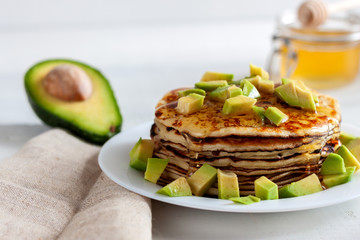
<point>244,143</point>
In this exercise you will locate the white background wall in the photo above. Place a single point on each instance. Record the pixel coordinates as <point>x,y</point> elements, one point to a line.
<point>44,13</point>
<point>153,46</point>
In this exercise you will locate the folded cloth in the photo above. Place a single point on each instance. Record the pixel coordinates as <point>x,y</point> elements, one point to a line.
<point>54,188</point>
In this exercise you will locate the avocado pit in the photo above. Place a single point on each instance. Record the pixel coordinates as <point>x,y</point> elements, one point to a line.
<point>68,83</point>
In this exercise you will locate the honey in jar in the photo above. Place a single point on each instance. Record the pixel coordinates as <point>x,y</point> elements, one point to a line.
<point>324,57</point>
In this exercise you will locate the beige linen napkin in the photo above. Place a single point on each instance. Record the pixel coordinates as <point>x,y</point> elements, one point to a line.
<point>54,188</point>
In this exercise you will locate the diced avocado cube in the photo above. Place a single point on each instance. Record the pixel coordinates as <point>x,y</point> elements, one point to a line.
<point>246,200</point>
<point>296,96</point>
<point>238,105</point>
<point>249,89</point>
<point>249,78</point>
<point>345,138</point>
<point>213,76</point>
<point>306,99</point>
<point>140,153</point>
<point>297,83</point>
<point>333,164</point>
<point>302,85</point>
<point>228,185</point>
<point>354,148</point>
<point>177,188</point>
<point>287,93</point>
<point>234,91</point>
<point>349,159</point>
<point>286,81</point>
<point>337,179</point>
<point>190,103</point>
<point>236,82</point>
<point>255,70</point>
<point>220,94</point>
<point>305,186</point>
<point>260,112</point>
<point>210,86</point>
<point>262,85</point>
<point>315,97</point>
<point>265,189</point>
<point>276,116</point>
<point>202,179</point>
<point>266,86</point>
<point>189,91</point>
<point>253,80</point>
<point>155,167</point>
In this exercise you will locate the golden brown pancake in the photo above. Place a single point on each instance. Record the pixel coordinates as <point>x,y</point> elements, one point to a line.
<point>210,122</point>
<point>243,143</point>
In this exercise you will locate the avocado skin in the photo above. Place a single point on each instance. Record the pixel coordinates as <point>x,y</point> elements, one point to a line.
<point>55,121</point>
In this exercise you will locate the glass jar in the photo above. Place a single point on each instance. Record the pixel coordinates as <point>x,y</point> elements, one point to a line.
<point>324,57</point>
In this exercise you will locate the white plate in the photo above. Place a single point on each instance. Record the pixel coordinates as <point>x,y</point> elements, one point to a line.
<point>114,161</point>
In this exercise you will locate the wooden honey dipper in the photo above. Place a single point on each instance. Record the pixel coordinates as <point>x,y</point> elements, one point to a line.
<point>313,13</point>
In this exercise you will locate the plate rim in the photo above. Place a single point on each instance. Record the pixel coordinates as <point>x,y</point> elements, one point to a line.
<point>192,201</point>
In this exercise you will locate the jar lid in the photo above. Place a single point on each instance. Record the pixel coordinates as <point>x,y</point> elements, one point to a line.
<point>344,27</point>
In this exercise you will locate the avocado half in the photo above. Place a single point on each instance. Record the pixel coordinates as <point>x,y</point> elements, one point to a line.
<point>95,120</point>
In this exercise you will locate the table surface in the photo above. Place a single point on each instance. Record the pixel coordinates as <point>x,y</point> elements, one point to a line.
<point>142,64</point>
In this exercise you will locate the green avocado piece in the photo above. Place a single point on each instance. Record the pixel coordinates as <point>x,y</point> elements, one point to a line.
<point>266,86</point>
<point>287,93</point>
<point>337,179</point>
<point>189,91</point>
<point>302,86</point>
<point>236,82</point>
<point>234,91</point>
<point>249,89</point>
<point>202,179</point>
<point>140,153</point>
<point>95,119</point>
<point>260,112</point>
<point>354,147</point>
<point>255,70</point>
<point>245,200</point>
<point>315,97</point>
<point>220,94</point>
<point>238,105</point>
<point>213,76</point>
<point>249,78</point>
<point>155,167</point>
<point>276,116</point>
<point>333,164</point>
<point>305,186</point>
<point>177,188</point>
<point>286,81</point>
<point>210,86</point>
<point>306,99</point>
<point>253,80</point>
<point>349,159</point>
<point>263,85</point>
<point>295,96</point>
<point>345,138</point>
<point>265,189</point>
<point>190,103</point>
<point>228,184</point>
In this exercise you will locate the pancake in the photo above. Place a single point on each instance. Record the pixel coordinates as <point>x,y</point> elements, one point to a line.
<point>210,122</point>
<point>244,144</point>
